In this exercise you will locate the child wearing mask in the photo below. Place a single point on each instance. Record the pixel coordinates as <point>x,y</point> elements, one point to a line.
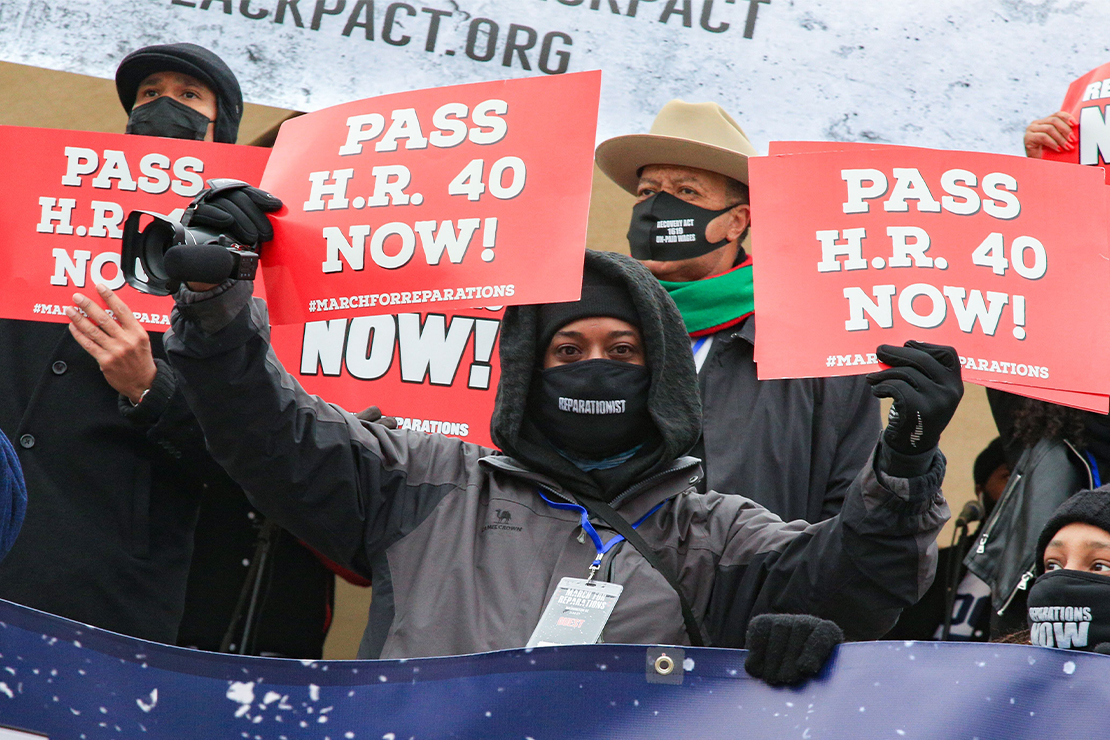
<point>1069,603</point>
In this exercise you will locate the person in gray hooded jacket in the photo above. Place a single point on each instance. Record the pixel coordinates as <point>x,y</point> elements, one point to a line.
<point>465,545</point>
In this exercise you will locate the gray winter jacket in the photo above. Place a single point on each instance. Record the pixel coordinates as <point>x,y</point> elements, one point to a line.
<point>463,551</point>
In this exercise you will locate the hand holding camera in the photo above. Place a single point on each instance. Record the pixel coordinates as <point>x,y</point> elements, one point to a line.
<point>218,238</point>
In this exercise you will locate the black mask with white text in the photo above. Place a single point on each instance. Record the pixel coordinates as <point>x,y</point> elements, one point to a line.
<point>594,408</point>
<point>1069,609</point>
<point>669,229</point>
<point>166,117</point>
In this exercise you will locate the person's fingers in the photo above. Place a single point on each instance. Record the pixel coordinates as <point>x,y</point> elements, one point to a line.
<point>942,353</point>
<point>778,658</point>
<point>913,357</point>
<point>759,630</point>
<point>268,202</point>
<point>209,215</point>
<point>389,422</point>
<point>122,311</point>
<point>895,390</point>
<point>798,632</point>
<point>370,413</point>
<point>821,641</point>
<point>1042,140</point>
<point>1057,128</point>
<point>81,335</point>
<point>244,229</point>
<point>257,218</point>
<point>97,316</point>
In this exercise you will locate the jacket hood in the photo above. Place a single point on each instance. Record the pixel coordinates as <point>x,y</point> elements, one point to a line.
<point>674,400</point>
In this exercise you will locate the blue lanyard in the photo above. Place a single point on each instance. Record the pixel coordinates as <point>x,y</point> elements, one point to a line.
<point>699,344</point>
<point>1094,469</point>
<point>588,527</point>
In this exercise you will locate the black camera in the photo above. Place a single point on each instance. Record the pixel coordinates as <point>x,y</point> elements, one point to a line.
<point>159,253</point>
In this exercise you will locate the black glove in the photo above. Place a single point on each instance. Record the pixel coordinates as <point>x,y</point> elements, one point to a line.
<point>924,381</point>
<point>234,208</point>
<point>373,415</point>
<point>786,649</point>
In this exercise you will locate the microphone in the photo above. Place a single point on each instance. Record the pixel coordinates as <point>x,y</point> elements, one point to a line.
<point>972,512</point>
<point>208,263</point>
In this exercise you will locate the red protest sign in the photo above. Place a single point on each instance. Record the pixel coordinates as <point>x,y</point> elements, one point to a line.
<point>998,256</point>
<point>1096,402</point>
<point>433,200</point>
<point>67,196</point>
<point>1086,100</point>
<point>437,373</point>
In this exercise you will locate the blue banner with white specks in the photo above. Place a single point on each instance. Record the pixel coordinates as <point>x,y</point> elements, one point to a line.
<point>63,680</point>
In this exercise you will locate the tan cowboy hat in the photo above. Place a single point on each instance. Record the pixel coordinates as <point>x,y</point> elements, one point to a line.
<point>698,135</point>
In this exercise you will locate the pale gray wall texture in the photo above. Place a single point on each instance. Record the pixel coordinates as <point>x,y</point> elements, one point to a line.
<point>945,74</point>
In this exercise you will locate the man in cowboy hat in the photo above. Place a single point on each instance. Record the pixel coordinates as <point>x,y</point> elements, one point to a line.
<point>792,445</point>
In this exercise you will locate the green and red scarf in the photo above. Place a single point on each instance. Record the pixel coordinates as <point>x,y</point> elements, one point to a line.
<point>715,303</point>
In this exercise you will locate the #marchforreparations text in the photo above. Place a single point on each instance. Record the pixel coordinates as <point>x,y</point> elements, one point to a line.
<point>54,309</point>
<point>998,367</point>
<point>404,298</point>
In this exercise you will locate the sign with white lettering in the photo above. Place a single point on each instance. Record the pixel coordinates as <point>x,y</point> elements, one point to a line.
<point>1086,100</point>
<point>436,373</point>
<point>1000,257</point>
<point>67,194</point>
<point>471,195</point>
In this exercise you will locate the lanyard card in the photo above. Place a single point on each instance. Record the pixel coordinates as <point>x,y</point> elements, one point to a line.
<point>576,614</point>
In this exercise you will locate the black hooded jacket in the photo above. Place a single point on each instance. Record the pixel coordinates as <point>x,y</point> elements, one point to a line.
<point>464,551</point>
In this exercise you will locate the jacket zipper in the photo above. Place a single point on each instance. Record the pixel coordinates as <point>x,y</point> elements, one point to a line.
<point>998,509</point>
<point>1025,578</point>
<point>644,483</point>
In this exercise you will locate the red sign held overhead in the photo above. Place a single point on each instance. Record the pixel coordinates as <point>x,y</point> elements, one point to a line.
<point>1001,257</point>
<point>68,195</point>
<point>1086,100</point>
<point>433,200</point>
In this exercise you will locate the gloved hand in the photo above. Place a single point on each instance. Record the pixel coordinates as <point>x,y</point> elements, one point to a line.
<point>924,381</point>
<point>786,649</point>
<point>234,208</point>
<point>373,415</point>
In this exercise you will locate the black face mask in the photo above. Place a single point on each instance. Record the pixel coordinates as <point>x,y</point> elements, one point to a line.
<point>1070,609</point>
<point>667,228</point>
<point>166,117</point>
<point>595,408</point>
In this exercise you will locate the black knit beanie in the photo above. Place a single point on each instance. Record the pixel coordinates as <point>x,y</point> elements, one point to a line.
<point>601,296</point>
<point>192,60</point>
<point>1086,507</point>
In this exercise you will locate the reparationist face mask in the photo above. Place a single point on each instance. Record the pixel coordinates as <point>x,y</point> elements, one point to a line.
<point>1070,609</point>
<point>667,228</point>
<point>594,408</point>
<point>166,117</point>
